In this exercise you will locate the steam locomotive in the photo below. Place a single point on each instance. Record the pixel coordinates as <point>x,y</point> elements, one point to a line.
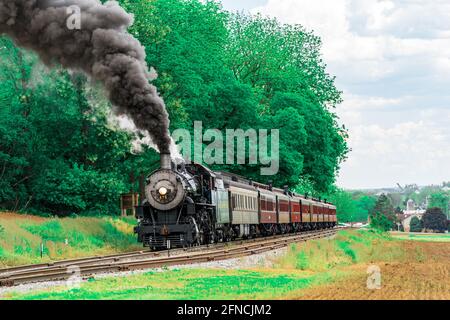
<point>187,205</point>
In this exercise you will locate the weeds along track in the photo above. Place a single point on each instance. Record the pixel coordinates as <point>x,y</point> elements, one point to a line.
<point>141,260</point>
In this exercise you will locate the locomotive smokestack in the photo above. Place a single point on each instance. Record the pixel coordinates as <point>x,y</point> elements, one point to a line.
<point>166,161</point>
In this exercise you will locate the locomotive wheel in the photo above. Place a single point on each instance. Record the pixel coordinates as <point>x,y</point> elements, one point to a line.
<point>206,229</point>
<point>196,234</point>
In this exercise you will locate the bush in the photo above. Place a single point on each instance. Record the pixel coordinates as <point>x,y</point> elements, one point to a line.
<point>416,225</point>
<point>49,231</point>
<point>434,219</point>
<point>381,222</point>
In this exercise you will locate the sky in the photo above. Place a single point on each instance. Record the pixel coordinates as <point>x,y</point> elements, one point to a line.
<point>391,59</point>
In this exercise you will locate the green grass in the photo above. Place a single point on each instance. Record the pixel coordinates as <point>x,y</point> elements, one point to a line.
<point>187,284</point>
<point>427,237</point>
<point>21,237</point>
<point>347,248</point>
<point>305,265</point>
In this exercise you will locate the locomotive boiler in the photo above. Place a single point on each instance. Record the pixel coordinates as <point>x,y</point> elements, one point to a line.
<point>188,204</point>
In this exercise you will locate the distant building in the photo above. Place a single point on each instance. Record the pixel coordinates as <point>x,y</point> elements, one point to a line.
<point>408,214</point>
<point>410,205</point>
<point>427,201</point>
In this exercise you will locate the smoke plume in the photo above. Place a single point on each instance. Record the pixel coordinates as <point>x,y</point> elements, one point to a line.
<point>101,47</point>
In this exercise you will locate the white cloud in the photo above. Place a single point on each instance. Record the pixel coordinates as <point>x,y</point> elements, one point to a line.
<point>392,60</point>
<point>408,152</point>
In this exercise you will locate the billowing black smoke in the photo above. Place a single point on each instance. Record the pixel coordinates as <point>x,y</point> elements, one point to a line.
<point>101,47</point>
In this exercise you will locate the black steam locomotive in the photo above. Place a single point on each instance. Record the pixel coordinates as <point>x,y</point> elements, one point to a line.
<point>188,205</point>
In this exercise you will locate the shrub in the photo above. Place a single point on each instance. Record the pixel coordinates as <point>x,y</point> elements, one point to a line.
<point>345,247</point>
<point>381,222</point>
<point>49,231</point>
<point>416,225</point>
<point>435,219</point>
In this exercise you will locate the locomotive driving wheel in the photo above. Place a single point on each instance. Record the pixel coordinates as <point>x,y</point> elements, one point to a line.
<point>195,232</point>
<point>207,234</point>
<point>201,228</point>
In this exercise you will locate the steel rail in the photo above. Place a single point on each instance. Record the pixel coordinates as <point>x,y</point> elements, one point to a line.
<point>147,260</point>
<point>126,256</point>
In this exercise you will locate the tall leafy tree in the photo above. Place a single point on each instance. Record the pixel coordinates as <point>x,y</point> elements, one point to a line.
<point>283,65</point>
<point>383,214</point>
<point>440,200</point>
<point>346,208</point>
<point>434,219</point>
<point>59,152</point>
<point>351,207</point>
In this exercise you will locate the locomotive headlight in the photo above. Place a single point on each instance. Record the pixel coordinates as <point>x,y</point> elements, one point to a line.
<point>165,190</point>
<point>162,191</point>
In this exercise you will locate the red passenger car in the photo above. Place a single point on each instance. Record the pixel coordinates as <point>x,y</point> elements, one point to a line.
<point>296,210</point>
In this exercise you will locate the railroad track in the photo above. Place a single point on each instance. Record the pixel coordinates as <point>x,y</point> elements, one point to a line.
<point>141,260</point>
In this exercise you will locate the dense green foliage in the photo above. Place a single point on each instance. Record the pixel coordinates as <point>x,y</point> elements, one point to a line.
<point>416,225</point>
<point>59,153</point>
<point>352,207</point>
<point>434,219</point>
<point>382,216</point>
<point>440,200</point>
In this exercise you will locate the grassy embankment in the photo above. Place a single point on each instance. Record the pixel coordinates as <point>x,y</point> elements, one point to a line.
<point>22,235</point>
<point>322,269</point>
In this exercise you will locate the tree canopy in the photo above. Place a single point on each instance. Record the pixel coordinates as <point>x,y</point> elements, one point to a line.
<point>351,207</point>
<point>59,152</point>
<point>382,215</point>
<point>416,225</point>
<point>440,200</point>
<point>434,219</point>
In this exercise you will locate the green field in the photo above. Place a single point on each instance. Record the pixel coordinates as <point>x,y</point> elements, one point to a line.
<point>21,237</point>
<point>188,284</point>
<point>428,237</point>
<point>306,270</point>
<point>305,265</point>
